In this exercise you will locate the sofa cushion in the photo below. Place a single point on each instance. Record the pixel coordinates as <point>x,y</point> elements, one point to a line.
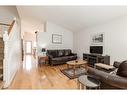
<point>65,58</point>
<point>53,53</point>
<point>57,59</point>
<point>62,59</point>
<point>122,70</point>
<point>67,52</point>
<point>60,53</point>
<point>72,57</point>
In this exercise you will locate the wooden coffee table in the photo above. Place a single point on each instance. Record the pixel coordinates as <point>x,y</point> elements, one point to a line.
<point>76,63</point>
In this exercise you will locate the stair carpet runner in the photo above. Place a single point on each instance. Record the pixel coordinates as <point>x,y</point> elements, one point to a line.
<point>1,62</point>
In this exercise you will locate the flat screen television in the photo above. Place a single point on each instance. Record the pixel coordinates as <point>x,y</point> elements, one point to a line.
<point>96,49</point>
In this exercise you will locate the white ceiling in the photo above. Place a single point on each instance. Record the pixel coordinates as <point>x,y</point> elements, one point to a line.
<point>73,18</point>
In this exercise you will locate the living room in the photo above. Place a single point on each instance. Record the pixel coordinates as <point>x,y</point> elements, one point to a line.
<point>70,47</point>
<point>97,40</point>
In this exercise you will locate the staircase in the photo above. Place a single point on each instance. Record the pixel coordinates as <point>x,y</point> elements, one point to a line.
<point>1,62</point>
<point>5,30</point>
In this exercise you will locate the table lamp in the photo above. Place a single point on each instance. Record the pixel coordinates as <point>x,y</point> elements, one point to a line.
<point>43,51</point>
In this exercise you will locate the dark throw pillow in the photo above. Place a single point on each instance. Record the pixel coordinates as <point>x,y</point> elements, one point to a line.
<point>67,52</point>
<point>122,70</point>
<point>116,64</point>
<point>60,53</point>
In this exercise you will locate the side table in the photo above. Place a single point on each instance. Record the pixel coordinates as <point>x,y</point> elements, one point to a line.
<point>89,82</point>
<point>42,59</point>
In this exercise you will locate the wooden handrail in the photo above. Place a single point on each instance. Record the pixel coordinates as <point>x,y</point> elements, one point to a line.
<point>11,26</point>
<point>5,24</point>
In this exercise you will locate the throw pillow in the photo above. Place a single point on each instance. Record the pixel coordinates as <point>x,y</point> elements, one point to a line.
<point>67,52</point>
<point>122,70</point>
<point>60,53</point>
<point>114,72</point>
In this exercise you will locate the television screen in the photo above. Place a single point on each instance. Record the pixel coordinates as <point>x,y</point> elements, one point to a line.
<point>96,49</point>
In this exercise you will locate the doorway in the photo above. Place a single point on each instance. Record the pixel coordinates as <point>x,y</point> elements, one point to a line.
<point>28,47</point>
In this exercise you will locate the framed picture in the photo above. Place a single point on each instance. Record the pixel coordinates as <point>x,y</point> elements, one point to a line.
<point>56,39</point>
<point>98,38</point>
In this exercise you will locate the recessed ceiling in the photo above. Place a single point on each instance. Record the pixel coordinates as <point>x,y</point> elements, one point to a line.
<point>73,18</point>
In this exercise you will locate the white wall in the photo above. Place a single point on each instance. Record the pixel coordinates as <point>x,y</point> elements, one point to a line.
<point>115,43</point>
<point>14,54</point>
<point>45,38</point>
<point>29,27</point>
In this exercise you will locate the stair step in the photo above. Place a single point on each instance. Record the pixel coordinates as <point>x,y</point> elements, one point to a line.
<point>1,50</point>
<point>1,61</point>
<point>1,40</point>
<point>1,57</point>
<point>1,45</point>
<point>1,76</point>
<point>1,67</point>
<point>1,84</point>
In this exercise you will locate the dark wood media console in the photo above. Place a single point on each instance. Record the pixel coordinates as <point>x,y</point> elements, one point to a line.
<point>96,58</point>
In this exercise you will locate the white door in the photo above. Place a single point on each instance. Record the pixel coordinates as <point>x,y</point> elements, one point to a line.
<point>28,47</point>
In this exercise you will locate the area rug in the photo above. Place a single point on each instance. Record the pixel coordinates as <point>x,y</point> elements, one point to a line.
<point>78,72</point>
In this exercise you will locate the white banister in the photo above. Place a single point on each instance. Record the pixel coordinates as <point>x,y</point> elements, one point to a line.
<point>12,52</point>
<point>5,66</point>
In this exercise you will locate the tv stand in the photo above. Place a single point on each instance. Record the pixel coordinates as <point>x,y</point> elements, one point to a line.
<point>96,58</point>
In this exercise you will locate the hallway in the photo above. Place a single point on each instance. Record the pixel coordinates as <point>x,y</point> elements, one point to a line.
<point>32,76</point>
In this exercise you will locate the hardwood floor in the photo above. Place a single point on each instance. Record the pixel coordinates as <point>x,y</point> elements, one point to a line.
<point>32,76</point>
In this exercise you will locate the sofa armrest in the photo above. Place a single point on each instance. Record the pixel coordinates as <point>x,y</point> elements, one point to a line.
<point>49,56</point>
<point>111,79</point>
<point>101,75</point>
<point>117,81</point>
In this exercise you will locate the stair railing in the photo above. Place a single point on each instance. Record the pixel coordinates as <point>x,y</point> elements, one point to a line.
<point>9,25</point>
<point>5,65</point>
<point>6,50</point>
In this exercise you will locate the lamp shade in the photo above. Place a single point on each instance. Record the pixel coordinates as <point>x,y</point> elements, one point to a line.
<point>43,50</point>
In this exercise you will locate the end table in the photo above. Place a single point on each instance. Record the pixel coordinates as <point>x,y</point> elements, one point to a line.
<point>42,59</point>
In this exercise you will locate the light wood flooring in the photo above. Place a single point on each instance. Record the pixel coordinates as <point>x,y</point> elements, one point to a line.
<point>32,76</point>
